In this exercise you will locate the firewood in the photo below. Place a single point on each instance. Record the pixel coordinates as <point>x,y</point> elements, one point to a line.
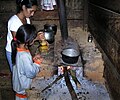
<point>58,78</point>
<point>69,85</point>
<point>73,75</point>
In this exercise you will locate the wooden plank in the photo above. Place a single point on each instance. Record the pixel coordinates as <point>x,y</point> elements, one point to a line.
<point>53,15</point>
<point>7,6</point>
<point>105,27</point>
<point>109,4</point>
<point>107,20</point>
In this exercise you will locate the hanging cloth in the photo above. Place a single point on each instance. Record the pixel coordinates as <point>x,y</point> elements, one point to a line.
<point>48,4</point>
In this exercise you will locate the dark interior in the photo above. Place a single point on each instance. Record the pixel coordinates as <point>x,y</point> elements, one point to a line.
<point>99,17</point>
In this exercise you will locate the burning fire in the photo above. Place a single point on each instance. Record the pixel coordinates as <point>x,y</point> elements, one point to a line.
<point>61,69</point>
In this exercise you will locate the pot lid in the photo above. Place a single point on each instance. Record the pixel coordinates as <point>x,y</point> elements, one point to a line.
<point>70,52</point>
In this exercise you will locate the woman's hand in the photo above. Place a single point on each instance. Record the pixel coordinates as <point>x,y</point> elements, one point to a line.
<point>40,36</point>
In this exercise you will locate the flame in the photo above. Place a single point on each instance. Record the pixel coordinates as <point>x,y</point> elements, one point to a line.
<point>61,69</point>
<point>68,67</point>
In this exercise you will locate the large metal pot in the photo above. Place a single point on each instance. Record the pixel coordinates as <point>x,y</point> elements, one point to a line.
<point>52,27</point>
<point>70,55</point>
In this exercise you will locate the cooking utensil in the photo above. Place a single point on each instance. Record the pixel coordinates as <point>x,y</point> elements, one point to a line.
<point>49,36</point>
<point>70,55</point>
<point>52,27</point>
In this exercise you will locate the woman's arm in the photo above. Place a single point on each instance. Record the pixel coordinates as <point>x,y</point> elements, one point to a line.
<point>13,33</point>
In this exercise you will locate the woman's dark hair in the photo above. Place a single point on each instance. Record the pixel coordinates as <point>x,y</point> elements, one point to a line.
<point>27,3</point>
<point>25,35</point>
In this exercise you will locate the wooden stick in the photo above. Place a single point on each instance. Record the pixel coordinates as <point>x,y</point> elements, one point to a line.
<point>69,85</point>
<point>58,78</point>
<point>73,75</point>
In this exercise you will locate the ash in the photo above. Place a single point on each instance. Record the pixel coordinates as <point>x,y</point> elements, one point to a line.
<point>89,90</point>
<point>59,91</point>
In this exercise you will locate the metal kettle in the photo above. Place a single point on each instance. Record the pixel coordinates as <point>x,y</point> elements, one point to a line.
<point>51,27</point>
<point>49,36</point>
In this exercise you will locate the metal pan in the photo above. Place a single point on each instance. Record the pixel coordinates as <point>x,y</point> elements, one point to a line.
<point>70,55</point>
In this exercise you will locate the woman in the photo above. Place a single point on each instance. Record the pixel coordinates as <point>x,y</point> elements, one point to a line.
<point>25,67</point>
<point>25,9</point>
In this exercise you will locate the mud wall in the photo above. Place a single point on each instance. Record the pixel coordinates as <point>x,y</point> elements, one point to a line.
<point>74,14</point>
<point>104,24</point>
